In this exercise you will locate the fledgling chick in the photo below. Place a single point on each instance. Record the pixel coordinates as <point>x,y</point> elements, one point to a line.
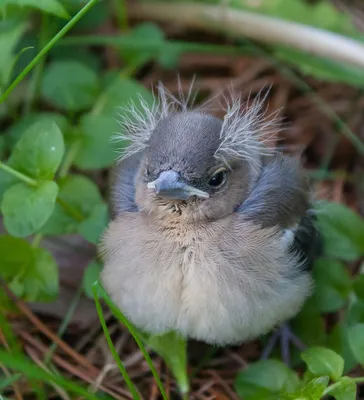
<point>212,236</point>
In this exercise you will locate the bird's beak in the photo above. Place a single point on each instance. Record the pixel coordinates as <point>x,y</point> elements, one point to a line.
<point>171,186</point>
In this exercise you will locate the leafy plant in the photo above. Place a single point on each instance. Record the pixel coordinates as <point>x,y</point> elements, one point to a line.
<point>271,379</point>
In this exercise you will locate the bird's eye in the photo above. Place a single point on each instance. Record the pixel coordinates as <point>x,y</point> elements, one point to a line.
<point>218,178</point>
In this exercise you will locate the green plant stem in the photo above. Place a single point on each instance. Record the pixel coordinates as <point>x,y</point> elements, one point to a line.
<point>34,84</point>
<point>122,369</point>
<point>22,364</point>
<point>97,288</point>
<point>38,70</point>
<point>145,44</point>
<point>252,25</point>
<point>132,68</point>
<point>37,239</point>
<point>32,182</point>
<point>47,48</point>
<point>332,387</point>
<point>68,160</point>
<point>62,329</point>
<point>70,210</point>
<point>19,175</point>
<point>120,10</point>
<point>124,73</point>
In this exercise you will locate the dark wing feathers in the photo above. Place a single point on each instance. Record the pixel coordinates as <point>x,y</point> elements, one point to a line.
<point>123,177</point>
<point>308,241</point>
<point>280,197</point>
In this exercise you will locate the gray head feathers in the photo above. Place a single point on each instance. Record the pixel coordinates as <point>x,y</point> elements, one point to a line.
<point>244,134</point>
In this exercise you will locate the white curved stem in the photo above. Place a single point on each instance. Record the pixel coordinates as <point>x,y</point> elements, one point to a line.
<point>254,26</point>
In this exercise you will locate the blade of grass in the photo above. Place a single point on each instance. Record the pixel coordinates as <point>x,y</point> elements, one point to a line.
<point>8,381</point>
<point>7,336</point>
<point>98,289</point>
<point>114,353</point>
<point>46,49</point>
<point>120,9</point>
<point>30,370</point>
<point>34,84</point>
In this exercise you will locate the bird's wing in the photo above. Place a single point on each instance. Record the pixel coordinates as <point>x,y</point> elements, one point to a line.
<point>281,197</point>
<point>122,196</point>
<point>308,241</point>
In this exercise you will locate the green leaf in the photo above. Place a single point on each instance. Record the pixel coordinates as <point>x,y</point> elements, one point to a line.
<point>173,349</point>
<point>148,31</point>
<point>170,55</point>
<point>39,151</point>
<point>70,85</point>
<point>355,314</point>
<point>92,227</point>
<point>48,6</point>
<point>343,389</point>
<point>265,378</point>
<point>94,18</point>
<point>338,340</point>
<point>41,280</point>
<point>97,150</point>
<point>78,195</point>
<point>16,130</point>
<point>73,5</point>
<point>30,272</point>
<point>309,324</point>
<point>91,274</point>
<point>15,255</point>
<point>10,34</point>
<point>6,181</point>
<point>119,93</point>
<point>322,361</point>
<point>359,286</point>
<point>333,285</point>
<point>343,231</point>
<point>2,147</point>
<point>5,382</point>
<point>26,209</point>
<point>314,389</point>
<point>24,365</point>
<point>356,335</point>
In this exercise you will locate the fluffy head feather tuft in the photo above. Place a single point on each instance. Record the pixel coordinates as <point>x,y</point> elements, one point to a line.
<point>250,133</point>
<point>244,134</point>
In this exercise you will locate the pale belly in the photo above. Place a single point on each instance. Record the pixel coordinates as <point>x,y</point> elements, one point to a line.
<point>205,286</point>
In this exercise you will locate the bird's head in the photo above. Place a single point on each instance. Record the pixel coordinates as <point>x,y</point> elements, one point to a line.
<point>195,166</point>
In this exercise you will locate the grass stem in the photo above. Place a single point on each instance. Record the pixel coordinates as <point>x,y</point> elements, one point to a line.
<point>97,288</point>
<point>122,369</point>
<point>46,49</point>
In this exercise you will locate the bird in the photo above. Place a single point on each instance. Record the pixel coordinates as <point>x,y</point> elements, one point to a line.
<point>213,234</point>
